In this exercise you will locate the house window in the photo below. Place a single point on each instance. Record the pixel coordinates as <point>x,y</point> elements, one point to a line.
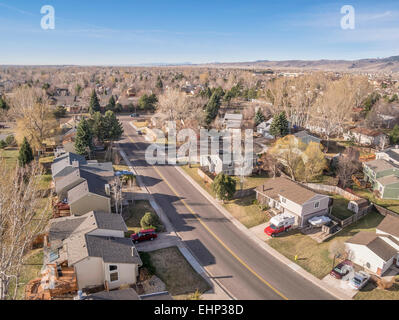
<point>113,273</point>
<point>317,204</point>
<point>283,200</point>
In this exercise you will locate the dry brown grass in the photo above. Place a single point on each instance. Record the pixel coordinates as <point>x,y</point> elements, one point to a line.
<point>178,275</point>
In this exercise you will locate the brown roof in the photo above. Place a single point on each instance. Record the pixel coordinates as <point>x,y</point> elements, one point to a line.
<point>286,188</point>
<point>390,225</point>
<point>375,243</point>
<point>367,132</point>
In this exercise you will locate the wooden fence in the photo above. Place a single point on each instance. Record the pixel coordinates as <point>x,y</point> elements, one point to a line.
<point>383,211</point>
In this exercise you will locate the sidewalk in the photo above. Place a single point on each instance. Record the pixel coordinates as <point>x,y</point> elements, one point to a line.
<point>324,286</point>
<point>172,238</point>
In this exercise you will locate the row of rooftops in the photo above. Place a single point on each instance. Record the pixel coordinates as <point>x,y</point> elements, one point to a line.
<point>72,236</point>
<point>86,176</point>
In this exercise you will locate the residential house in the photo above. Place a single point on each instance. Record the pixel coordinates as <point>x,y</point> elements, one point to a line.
<point>264,129</point>
<point>65,160</point>
<point>78,174</point>
<point>291,197</point>
<point>232,120</point>
<point>367,137</point>
<point>384,177</point>
<point>389,154</point>
<point>306,138</point>
<point>376,251</point>
<point>94,245</point>
<point>94,193</point>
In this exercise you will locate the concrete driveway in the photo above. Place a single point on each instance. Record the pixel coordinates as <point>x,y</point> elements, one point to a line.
<point>343,284</point>
<point>258,231</point>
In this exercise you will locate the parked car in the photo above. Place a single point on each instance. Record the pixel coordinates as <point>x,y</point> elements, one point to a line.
<point>359,280</point>
<point>144,235</point>
<point>280,223</point>
<point>134,115</point>
<point>139,132</point>
<point>341,269</point>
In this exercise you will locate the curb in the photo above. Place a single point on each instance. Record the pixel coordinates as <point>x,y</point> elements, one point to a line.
<point>298,269</point>
<point>186,252</point>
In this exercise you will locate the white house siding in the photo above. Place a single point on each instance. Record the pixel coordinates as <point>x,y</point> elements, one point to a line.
<point>362,256</point>
<point>127,274</point>
<point>89,272</point>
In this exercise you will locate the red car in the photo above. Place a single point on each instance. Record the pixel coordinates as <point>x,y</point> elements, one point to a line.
<point>273,230</point>
<point>143,235</point>
<point>341,269</point>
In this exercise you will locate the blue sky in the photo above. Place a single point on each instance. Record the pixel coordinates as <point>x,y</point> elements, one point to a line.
<point>117,32</point>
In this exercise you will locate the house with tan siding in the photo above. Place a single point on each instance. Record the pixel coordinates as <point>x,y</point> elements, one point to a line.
<point>285,195</point>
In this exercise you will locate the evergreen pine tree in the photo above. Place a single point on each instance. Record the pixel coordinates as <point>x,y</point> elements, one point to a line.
<point>113,128</point>
<point>25,154</point>
<point>84,137</point>
<point>259,117</point>
<point>212,108</point>
<point>159,84</point>
<point>94,103</point>
<point>279,126</point>
<point>224,186</point>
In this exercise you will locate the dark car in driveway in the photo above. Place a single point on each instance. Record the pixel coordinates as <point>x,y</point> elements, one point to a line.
<point>144,235</point>
<point>341,270</point>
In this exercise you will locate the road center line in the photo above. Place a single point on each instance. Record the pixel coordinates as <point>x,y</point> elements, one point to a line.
<point>211,232</point>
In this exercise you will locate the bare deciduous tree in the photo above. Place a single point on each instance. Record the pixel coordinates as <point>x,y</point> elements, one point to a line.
<point>23,216</point>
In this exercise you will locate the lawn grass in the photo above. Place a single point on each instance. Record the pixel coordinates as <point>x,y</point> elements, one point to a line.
<point>10,156</point>
<point>120,167</point>
<point>390,204</point>
<point>135,212</point>
<point>372,292</point>
<point>31,270</point>
<point>172,268</point>
<point>314,257</point>
<point>340,207</point>
<point>247,211</point>
<point>244,209</point>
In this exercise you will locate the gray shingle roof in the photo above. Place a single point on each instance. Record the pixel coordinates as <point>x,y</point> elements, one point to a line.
<point>306,138</point>
<point>110,249</point>
<point>62,228</point>
<point>65,160</point>
<point>75,176</point>
<point>125,294</point>
<point>372,241</point>
<point>390,225</point>
<point>92,184</point>
<point>379,165</point>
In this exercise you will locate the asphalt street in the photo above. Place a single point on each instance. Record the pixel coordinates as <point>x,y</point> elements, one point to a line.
<point>230,257</point>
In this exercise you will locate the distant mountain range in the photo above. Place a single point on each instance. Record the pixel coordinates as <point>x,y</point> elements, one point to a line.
<point>390,64</point>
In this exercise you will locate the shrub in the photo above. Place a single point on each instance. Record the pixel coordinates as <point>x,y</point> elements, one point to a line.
<point>10,140</point>
<point>149,220</point>
<point>3,144</point>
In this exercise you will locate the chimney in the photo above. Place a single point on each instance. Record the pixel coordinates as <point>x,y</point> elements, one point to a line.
<point>75,164</point>
<point>107,189</point>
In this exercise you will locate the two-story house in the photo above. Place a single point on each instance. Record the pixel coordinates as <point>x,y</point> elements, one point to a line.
<point>376,251</point>
<point>384,177</point>
<point>288,196</point>
<point>94,246</point>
